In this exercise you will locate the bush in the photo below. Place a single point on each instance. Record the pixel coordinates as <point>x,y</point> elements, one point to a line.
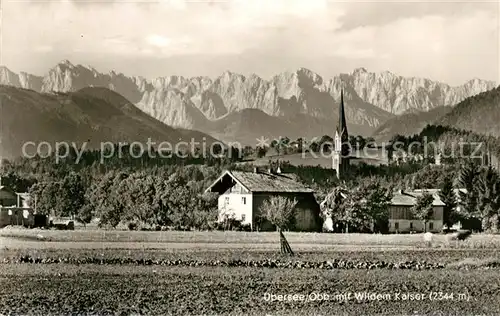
<point>246,227</point>
<point>229,224</point>
<point>132,226</point>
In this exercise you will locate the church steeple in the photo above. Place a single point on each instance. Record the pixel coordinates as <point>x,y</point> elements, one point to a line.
<point>342,126</point>
<point>341,150</point>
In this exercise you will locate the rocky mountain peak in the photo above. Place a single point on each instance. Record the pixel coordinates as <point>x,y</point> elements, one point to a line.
<point>190,102</point>
<point>308,77</point>
<point>359,70</point>
<point>8,77</point>
<point>66,64</point>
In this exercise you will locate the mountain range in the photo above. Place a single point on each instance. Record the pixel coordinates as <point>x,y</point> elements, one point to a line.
<point>234,107</point>
<point>89,116</point>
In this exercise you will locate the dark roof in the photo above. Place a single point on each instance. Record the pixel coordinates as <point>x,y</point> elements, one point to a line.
<point>6,189</point>
<point>409,198</point>
<point>266,182</point>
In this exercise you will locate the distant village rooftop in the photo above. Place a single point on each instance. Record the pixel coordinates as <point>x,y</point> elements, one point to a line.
<point>409,198</point>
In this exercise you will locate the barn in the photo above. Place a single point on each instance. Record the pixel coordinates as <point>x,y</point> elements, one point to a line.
<point>241,194</point>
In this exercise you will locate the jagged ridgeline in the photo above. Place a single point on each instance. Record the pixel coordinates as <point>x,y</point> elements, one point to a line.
<point>287,102</point>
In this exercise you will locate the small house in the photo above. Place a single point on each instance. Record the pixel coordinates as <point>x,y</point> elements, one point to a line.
<point>401,218</point>
<point>243,193</point>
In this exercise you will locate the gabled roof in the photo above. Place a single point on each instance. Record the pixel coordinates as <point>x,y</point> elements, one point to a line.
<point>6,189</point>
<point>264,182</point>
<point>409,198</point>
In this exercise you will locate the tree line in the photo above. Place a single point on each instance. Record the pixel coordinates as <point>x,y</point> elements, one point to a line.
<point>169,192</point>
<point>471,198</point>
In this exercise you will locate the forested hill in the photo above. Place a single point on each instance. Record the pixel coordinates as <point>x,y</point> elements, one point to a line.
<point>90,115</point>
<point>410,123</point>
<point>479,114</point>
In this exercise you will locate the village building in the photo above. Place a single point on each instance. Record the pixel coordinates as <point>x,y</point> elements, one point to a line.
<point>401,218</point>
<point>243,193</point>
<point>15,208</point>
<point>472,223</point>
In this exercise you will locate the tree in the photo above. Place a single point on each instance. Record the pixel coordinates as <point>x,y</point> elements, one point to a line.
<point>261,151</point>
<point>84,215</point>
<point>138,194</point>
<point>280,211</point>
<point>247,151</point>
<point>370,142</point>
<point>360,142</point>
<point>106,199</point>
<point>364,207</point>
<point>64,197</point>
<point>334,205</point>
<point>423,209</point>
<point>46,194</point>
<point>448,196</point>
<point>489,199</point>
<point>468,179</point>
<point>72,194</point>
<point>228,219</point>
<point>205,211</point>
<point>325,143</point>
<point>374,200</point>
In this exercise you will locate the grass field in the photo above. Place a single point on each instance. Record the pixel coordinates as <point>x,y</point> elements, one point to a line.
<point>243,238</point>
<point>465,284</point>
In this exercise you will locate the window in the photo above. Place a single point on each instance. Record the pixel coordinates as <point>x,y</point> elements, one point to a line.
<point>244,200</point>
<point>243,217</point>
<point>431,226</point>
<point>411,225</point>
<point>396,226</point>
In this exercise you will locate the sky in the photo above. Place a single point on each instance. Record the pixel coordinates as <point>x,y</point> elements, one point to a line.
<point>451,42</point>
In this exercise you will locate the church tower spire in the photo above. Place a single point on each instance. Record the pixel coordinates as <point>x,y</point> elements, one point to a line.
<point>342,126</point>
<point>341,150</point>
